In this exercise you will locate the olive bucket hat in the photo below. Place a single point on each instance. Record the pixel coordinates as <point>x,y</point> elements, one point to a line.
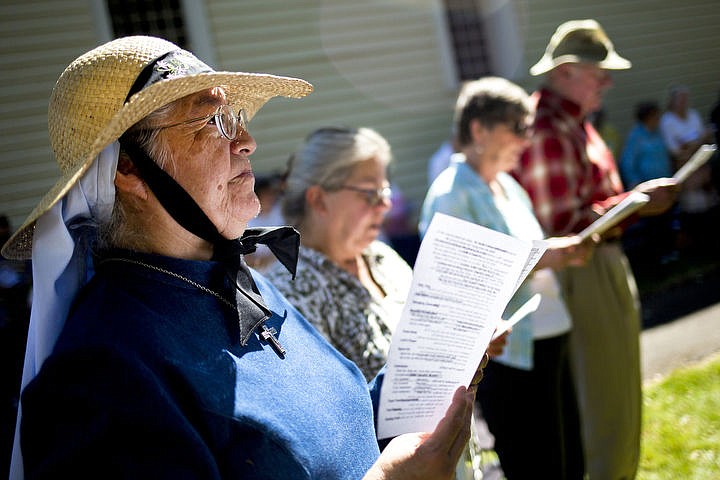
<point>110,88</point>
<point>580,41</point>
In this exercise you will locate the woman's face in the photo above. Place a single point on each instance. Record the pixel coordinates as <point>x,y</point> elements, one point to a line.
<point>215,172</point>
<point>503,144</point>
<point>351,219</point>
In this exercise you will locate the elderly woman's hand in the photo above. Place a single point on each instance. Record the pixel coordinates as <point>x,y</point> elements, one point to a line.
<point>431,456</point>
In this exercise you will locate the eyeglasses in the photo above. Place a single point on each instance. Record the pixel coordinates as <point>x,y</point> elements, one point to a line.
<point>373,197</point>
<point>520,128</point>
<point>225,120</point>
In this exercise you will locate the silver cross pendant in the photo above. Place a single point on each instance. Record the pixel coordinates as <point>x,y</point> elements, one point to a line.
<point>268,334</point>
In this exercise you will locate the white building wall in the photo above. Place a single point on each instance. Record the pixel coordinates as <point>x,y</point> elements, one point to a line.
<point>38,38</point>
<point>378,63</point>
<point>373,63</point>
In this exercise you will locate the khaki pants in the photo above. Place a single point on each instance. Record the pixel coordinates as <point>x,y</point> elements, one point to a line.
<point>605,359</point>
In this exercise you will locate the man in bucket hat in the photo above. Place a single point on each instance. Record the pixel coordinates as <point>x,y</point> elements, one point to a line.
<point>572,178</point>
<point>153,351</point>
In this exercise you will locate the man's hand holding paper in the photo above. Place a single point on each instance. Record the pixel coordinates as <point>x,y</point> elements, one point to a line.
<point>662,193</point>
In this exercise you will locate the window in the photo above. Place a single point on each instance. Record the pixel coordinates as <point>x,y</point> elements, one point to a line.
<point>160,18</point>
<point>468,36</point>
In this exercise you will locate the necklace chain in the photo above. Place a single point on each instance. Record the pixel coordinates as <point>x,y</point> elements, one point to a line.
<point>267,334</point>
<point>175,275</point>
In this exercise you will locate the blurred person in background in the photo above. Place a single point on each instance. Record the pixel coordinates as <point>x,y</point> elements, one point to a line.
<point>527,396</point>
<point>683,132</point>
<point>645,157</point>
<point>572,179</point>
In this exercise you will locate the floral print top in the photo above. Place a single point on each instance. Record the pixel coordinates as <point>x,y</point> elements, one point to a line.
<point>358,323</point>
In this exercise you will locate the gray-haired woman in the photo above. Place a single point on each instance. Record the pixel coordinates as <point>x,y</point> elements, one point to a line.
<point>350,285</point>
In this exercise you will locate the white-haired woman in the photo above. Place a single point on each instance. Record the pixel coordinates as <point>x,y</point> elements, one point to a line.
<point>350,284</point>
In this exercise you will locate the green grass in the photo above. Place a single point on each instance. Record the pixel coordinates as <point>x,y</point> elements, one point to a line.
<point>681,424</point>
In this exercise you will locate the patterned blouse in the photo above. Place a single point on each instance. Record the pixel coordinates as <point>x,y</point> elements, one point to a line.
<point>355,321</point>
<point>568,171</point>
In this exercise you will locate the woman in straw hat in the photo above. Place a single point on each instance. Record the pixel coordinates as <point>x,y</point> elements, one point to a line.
<point>153,351</point>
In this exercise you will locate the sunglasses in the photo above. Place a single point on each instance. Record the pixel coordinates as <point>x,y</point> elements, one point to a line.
<point>373,196</point>
<point>226,121</point>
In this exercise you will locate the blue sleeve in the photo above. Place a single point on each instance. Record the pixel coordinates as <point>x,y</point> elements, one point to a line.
<point>375,386</point>
<point>628,159</point>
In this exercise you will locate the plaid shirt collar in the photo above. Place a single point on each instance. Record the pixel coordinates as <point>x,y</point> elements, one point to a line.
<point>548,100</point>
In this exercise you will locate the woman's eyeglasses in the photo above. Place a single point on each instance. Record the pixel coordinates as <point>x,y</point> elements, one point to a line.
<point>225,120</point>
<point>373,196</point>
<point>520,128</point>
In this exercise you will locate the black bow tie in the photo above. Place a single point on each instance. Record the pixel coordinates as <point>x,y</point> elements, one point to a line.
<point>283,242</point>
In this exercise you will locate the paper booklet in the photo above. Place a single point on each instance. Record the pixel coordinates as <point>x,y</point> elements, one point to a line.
<point>699,158</point>
<point>635,200</point>
<point>528,307</point>
<point>463,278</point>
<point>616,214</point>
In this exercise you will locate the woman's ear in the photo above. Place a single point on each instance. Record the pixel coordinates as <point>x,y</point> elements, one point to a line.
<point>478,132</point>
<point>315,198</point>
<point>127,178</point>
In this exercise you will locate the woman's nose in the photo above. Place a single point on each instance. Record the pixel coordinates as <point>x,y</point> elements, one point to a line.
<point>244,142</point>
<point>385,203</point>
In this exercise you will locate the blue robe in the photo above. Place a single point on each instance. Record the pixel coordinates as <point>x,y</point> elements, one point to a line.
<point>148,380</point>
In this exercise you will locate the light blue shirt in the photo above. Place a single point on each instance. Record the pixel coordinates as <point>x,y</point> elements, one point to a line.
<point>460,192</point>
<point>644,157</point>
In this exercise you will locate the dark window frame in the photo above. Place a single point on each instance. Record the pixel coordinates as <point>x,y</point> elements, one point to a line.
<point>468,38</point>
<point>160,18</point>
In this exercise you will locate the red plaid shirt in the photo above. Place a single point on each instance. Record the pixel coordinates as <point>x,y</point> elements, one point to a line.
<point>568,170</point>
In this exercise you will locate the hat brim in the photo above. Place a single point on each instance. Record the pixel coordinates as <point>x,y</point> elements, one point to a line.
<point>613,61</point>
<point>249,91</point>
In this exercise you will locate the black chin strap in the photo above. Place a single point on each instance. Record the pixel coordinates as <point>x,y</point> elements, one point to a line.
<point>283,242</point>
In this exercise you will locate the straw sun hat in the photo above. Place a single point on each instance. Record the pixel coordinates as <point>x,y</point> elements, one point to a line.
<point>89,108</point>
<point>580,41</point>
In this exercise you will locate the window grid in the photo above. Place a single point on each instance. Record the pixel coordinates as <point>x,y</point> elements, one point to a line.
<point>468,39</point>
<point>160,18</point>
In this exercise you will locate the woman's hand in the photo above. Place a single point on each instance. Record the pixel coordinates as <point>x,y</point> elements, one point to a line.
<point>431,456</point>
<point>497,345</point>
<point>570,251</point>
